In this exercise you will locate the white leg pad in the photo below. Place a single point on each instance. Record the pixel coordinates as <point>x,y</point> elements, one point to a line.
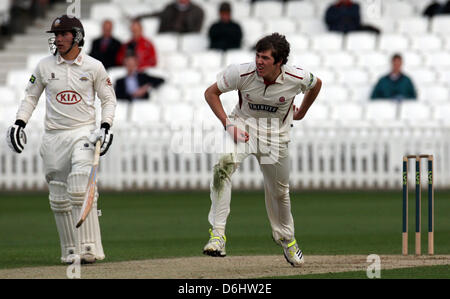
<point>89,232</point>
<point>62,209</point>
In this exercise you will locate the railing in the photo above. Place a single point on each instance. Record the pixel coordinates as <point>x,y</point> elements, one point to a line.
<point>322,156</point>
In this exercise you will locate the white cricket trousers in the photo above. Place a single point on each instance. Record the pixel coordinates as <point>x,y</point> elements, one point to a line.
<point>276,188</point>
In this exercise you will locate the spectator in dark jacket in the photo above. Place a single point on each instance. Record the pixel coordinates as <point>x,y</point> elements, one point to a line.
<point>106,47</point>
<point>437,7</point>
<point>136,84</point>
<point>181,16</point>
<point>395,85</point>
<point>225,34</point>
<point>344,16</point>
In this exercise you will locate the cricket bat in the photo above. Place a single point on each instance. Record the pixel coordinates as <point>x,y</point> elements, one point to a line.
<point>90,190</point>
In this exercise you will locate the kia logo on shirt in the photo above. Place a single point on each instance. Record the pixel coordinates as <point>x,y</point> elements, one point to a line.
<point>68,97</point>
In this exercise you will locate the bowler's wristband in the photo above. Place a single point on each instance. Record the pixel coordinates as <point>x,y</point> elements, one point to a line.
<point>227,126</point>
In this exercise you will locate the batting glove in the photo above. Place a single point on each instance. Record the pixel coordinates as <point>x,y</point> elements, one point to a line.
<point>105,135</point>
<point>16,137</point>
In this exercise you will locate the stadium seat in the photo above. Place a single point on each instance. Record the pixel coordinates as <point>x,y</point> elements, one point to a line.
<point>143,112</point>
<point>433,93</point>
<point>413,59</point>
<point>339,59</point>
<point>412,26</point>
<point>353,76</point>
<point>440,24</point>
<point>103,11</point>
<point>123,112</point>
<point>348,112</point>
<point>93,28</point>
<point>437,60</point>
<point>397,9</point>
<point>444,76</point>
<point>306,60</point>
<point>360,41</point>
<point>415,112</point>
<point>116,73</point>
<point>441,112</point>
<point>373,60</point>
<point>332,93</point>
<point>393,42</point>
<point>252,30</point>
<point>300,9</point>
<point>240,10</point>
<point>238,56</point>
<point>379,111</point>
<point>178,114</point>
<point>206,60</point>
<point>327,75</point>
<point>361,93</point>
<point>166,93</point>
<point>229,100</point>
<point>150,26</point>
<point>166,42</point>
<point>194,94</point>
<point>319,114</point>
<point>185,77</point>
<point>131,9</point>
<point>426,42</point>
<point>298,42</point>
<point>327,42</point>
<point>421,75</point>
<point>193,42</point>
<point>267,9</point>
<point>121,30</point>
<point>281,25</point>
<point>386,25</point>
<point>312,27</point>
<point>173,60</point>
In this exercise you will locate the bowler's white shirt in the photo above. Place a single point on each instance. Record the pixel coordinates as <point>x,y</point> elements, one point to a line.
<point>70,90</point>
<point>259,100</point>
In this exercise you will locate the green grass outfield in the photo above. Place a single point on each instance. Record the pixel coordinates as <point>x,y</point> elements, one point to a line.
<point>174,224</point>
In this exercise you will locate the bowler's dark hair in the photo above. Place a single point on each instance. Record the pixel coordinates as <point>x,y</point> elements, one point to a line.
<point>278,44</point>
<point>396,56</point>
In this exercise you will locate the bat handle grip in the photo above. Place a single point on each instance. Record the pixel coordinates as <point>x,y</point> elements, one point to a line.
<point>97,152</point>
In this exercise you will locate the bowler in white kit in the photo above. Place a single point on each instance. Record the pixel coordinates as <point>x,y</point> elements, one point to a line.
<point>259,125</point>
<point>71,79</point>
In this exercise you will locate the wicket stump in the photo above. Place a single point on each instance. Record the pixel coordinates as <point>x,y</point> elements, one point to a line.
<point>418,204</point>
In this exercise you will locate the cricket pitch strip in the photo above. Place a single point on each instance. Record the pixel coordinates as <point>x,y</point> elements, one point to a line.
<point>230,267</point>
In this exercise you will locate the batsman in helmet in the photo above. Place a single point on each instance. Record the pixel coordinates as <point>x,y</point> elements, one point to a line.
<point>71,80</point>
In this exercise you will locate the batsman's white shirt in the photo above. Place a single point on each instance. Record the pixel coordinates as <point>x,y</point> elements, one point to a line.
<point>262,100</point>
<point>70,92</point>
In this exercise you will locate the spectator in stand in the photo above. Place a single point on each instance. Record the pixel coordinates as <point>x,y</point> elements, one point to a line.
<point>136,84</point>
<point>437,7</point>
<point>106,47</point>
<point>395,85</point>
<point>180,16</point>
<point>142,48</point>
<point>344,16</point>
<point>225,34</point>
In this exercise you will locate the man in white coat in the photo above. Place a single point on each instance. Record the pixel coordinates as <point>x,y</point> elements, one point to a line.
<point>71,79</point>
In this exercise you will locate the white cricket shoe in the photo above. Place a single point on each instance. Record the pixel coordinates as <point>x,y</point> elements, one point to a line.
<point>70,257</point>
<point>292,253</point>
<point>215,245</point>
<point>88,254</point>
